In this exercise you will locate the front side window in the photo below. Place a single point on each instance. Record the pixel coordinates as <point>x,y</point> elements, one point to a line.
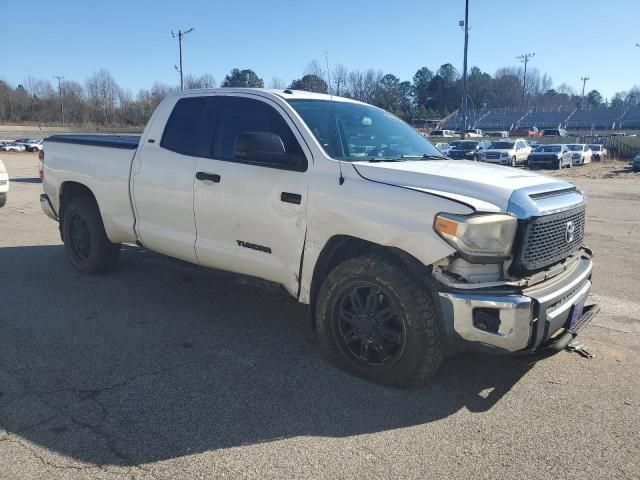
<point>239,115</point>
<point>350,131</point>
<point>189,130</point>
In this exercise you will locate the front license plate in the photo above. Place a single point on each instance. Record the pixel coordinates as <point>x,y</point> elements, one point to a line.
<point>576,312</point>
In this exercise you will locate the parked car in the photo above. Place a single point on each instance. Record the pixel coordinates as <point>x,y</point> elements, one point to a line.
<point>33,145</point>
<point>618,134</point>
<point>13,147</point>
<point>555,132</point>
<point>532,132</point>
<point>507,152</point>
<point>442,133</point>
<point>599,151</point>
<point>4,184</point>
<point>550,156</point>
<point>533,144</point>
<point>443,147</point>
<point>399,254</point>
<point>581,153</point>
<point>467,149</point>
<point>474,133</point>
<point>500,134</point>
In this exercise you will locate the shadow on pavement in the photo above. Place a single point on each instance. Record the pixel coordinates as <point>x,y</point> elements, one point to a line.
<point>26,180</point>
<point>162,359</point>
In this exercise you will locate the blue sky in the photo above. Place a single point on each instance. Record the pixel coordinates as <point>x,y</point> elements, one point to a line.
<point>132,38</point>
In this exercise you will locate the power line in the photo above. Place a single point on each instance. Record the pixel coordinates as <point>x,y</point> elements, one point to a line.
<point>584,85</point>
<point>180,34</point>
<point>465,24</point>
<point>60,78</point>
<point>525,58</point>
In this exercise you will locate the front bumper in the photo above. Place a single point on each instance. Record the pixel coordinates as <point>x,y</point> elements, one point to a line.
<point>516,320</point>
<point>47,208</point>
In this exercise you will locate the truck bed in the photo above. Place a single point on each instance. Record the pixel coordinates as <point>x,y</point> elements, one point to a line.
<point>129,142</point>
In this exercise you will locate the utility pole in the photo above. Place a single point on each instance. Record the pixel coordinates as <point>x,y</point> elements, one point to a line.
<point>465,24</point>
<point>525,59</point>
<point>180,34</point>
<point>60,78</point>
<point>584,85</point>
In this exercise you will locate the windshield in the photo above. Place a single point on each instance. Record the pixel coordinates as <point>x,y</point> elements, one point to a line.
<point>549,148</point>
<point>575,148</point>
<point>595,147</point>
<point>352,132</point>
<point>465,145</point>
<point>502,145</point>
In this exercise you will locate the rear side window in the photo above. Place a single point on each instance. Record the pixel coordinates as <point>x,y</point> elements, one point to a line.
<point>242,115</point>
<point>190,127</point>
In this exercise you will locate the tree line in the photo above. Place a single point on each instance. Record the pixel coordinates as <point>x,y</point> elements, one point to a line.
<point>100,100</point>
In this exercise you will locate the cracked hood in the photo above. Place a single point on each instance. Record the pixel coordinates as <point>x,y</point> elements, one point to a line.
<point>484,186</point>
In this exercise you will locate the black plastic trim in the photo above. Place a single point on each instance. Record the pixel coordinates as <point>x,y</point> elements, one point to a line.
<point>126,142</point>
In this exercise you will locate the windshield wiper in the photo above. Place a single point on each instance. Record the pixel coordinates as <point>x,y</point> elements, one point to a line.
<point>426,156</point>
<point>383,159</point>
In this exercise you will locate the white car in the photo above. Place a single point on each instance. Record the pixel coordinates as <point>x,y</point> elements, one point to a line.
<point>443,147</point>
<point>580,153</point>
<point>4,184</point>
<point>33,145</point>
<point>599,151</point>
<point>442,133</point>
<point>13,147</point>
<point>400,253</point>
<point>474,133</point>
<point>507,152</point>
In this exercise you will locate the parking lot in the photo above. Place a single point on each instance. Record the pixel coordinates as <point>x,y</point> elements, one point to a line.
<point>165,370</point>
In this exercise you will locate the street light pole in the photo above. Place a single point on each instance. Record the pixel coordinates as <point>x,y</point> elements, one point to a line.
<point>584,85</point>
<point>180,34</point>
<point>525,59</point>
<point>463,130</point>
<point>60,78</point>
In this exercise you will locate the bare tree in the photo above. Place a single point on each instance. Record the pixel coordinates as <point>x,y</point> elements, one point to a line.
<point>103,92</point>
<point>277,83</point>
<point>205,80</point>
<point>363,85</point>
<point>339,79</point>
<point>314,68</point>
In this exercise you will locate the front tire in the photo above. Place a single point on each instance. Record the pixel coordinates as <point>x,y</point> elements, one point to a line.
<point>3,199</point>
<point>85,241</point>
<point>514,162</point>
<point>376,321</point>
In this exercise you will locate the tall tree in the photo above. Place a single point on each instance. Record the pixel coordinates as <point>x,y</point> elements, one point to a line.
<point>243,78</point>
<point>310,83</point>
<point>421,81</point>
<point>594,98</point>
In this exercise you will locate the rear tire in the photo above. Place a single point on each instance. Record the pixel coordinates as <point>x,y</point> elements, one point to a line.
<point>374,320</point>
<point>85,241</point>
<point>3,199</point>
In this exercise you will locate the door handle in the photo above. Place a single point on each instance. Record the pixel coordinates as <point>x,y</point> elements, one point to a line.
<point>291,198</point>
<point>204,176</point>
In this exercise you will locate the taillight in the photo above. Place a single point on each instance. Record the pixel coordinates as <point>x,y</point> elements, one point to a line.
<point>41,164</point>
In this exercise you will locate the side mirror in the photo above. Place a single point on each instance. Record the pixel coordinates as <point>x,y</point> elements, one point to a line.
<point>268,149</point>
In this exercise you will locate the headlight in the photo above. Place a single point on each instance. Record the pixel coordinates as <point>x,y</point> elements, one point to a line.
<point>504,154</point>
<point>480,238</point>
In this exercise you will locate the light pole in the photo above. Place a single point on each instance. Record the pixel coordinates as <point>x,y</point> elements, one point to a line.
<point>180,34</point>
<point>465,24</point>
<point>60,78</point>
<point>584,85</point>
<point>525,59</point>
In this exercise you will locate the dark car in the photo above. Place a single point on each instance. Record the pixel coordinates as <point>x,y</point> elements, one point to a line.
<point>550,156</point>
<point>467,149</point>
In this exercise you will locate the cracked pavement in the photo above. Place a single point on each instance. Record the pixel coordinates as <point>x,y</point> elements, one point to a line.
<point>164,370</point>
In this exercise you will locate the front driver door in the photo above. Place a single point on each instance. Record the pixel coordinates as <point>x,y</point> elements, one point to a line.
<point>251,216</point>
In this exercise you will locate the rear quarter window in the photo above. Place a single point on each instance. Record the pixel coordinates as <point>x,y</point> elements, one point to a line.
<point>191,125</point>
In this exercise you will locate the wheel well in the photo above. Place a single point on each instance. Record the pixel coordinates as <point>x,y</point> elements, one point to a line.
<point>69,191</point>
<point>343,247</point>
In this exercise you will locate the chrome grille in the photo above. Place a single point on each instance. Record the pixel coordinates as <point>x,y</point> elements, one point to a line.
<point>493,155</point>
<point>543,241</point>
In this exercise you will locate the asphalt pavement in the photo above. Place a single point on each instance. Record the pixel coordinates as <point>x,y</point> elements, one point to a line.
<point>165,370</point>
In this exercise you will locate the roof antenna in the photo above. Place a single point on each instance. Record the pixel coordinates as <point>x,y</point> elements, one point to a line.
<point>326,58</point>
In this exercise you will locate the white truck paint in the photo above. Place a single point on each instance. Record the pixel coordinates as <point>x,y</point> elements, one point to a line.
<point>4,184</point>
<point>285,222</point>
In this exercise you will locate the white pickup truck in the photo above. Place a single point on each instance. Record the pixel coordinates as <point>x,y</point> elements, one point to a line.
<point>403,255</point>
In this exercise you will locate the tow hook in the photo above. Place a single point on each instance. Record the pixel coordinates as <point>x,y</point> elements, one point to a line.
<point>577,347</point>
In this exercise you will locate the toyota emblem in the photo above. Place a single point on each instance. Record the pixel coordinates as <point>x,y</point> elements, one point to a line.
<point>569,232</point>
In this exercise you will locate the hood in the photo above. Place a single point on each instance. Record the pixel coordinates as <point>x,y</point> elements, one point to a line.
<point>484,186</point>
<point>499,150</point>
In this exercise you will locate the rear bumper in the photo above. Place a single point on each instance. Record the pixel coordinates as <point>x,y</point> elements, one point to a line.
<point>47,208</point>
<point>520,321</point>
